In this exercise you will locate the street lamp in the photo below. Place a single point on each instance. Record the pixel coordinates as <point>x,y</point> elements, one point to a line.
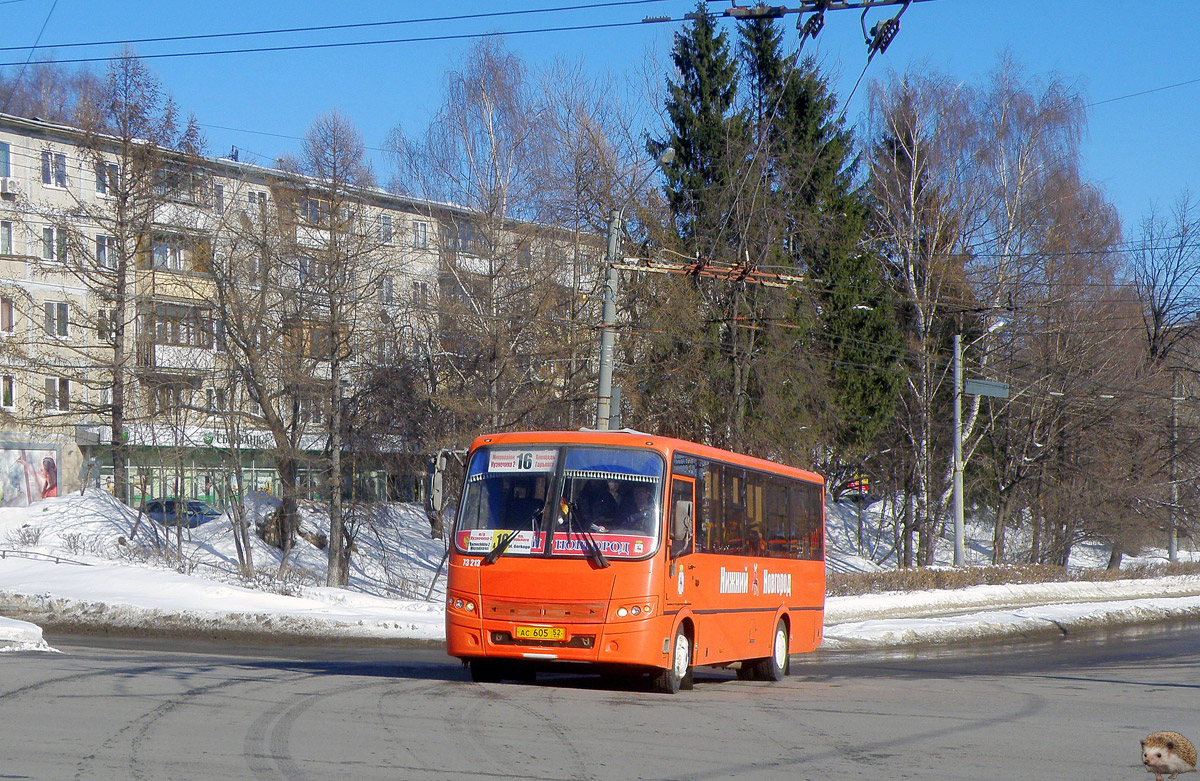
<point>608,335</point>
<point>957,488</point>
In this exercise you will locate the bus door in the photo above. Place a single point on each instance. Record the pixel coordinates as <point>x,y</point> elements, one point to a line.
<point>681,538</point>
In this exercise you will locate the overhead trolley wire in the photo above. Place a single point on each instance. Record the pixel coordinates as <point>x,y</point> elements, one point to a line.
<point>328,27</point>
<point>353,44</point>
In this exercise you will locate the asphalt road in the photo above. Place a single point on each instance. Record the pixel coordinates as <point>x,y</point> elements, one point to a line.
<point>107,709</point>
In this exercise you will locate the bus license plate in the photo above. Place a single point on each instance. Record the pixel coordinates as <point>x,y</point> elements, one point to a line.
<point>540,633</point>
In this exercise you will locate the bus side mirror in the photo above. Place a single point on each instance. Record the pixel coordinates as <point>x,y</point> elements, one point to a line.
<point>681,523</point>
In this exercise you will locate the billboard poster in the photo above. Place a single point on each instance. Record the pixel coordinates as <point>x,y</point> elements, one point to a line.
<point>27,476</point>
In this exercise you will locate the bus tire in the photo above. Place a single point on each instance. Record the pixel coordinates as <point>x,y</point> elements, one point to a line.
<point>679,674</point>
<point>775,666</point>
<point>486,671</point>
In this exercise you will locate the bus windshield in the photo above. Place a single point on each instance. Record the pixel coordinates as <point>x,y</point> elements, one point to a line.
<point>606,499</point>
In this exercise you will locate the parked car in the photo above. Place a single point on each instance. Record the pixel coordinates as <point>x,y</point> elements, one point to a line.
<point>185,512</point>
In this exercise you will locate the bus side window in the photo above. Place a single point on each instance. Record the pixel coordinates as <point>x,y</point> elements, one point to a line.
<point>682,517</point>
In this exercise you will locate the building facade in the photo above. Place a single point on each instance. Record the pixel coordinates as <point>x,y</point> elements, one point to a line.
<point>217,314</point>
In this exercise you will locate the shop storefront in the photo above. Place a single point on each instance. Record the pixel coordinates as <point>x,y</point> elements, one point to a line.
<point>199,463</point>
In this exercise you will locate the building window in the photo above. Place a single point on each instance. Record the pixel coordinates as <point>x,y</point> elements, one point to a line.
<point>8,392</point>
<point>107,178</point>
<point>56,318</point>
<point>387,288</point>
<point>178,326</point>
<point>310,409</point>
<point>219,198</point>
<point>168,255</point>
<point>54,169</point>
<point>169,399</point>
<point>218,399</point>
<point>58,394</point>
<point>8,318</point>
<point>312,270</point>
<point>6,245</point>
<point>420,235</point>
<point>106,256</point>
<point>385,228</point>
<point>465,237</point>
<point>258,202</point>
<point>182,183</point>
<point>104,325</point>
<point>315,211</point>
<point>420,293</point>
<point>54,244</point>
<point>5,159</point>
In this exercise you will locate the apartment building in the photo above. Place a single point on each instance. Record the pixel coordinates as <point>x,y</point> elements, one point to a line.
<point>221,309</point>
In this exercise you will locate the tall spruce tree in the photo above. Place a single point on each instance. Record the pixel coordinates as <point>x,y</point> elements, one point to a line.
<point>703,122</point>
<point>764,178</point>
<point>826,223</point>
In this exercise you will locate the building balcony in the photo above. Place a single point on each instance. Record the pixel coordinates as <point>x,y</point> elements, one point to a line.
<point>180,359</point>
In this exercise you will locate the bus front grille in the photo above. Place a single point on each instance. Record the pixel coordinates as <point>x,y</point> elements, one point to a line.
<point>565,612</point>
<point>578,641</point>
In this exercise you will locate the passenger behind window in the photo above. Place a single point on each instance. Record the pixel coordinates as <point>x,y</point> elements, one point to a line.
<point>755,546</point>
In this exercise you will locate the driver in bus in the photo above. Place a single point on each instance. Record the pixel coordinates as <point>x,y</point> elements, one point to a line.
<point>597,507</point>
<point>639,512</point>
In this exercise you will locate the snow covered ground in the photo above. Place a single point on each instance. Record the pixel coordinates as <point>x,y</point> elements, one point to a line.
<point>76,560</point>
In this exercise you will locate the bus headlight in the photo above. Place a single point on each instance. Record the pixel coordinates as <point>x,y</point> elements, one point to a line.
<point>641,609</point>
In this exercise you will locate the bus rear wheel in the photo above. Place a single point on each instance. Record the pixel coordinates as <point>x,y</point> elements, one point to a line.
<point>679,674</point>
<point>775,666</point>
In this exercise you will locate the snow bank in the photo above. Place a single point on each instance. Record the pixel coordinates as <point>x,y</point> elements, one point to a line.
<point>21,636</point>
<point>974,598</point>
<point>1053,619</point>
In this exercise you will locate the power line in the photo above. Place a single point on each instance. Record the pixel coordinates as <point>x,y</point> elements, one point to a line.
<point>328,27</point>
<point>355,44</point>
<point>1143,92</point>
<point>25,64</point>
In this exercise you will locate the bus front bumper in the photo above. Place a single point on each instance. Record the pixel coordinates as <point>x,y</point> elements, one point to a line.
<point>639,642</point>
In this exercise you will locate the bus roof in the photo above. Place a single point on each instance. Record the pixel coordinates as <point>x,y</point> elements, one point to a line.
<point>631,438</point>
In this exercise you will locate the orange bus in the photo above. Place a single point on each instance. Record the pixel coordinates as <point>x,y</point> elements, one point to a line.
<point>628,550</point>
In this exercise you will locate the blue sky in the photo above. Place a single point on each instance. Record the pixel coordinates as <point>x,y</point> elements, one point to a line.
<point>1140,148</point>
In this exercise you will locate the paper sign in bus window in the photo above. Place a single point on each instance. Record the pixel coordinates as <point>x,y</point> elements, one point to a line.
<point>525,460</point>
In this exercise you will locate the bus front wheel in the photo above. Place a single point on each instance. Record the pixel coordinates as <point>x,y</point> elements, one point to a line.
<point>679,674</point>
<point>775,666</point>
<point>486,671</point>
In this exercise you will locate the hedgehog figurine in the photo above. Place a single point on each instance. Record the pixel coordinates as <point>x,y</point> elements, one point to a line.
<point>1168,752</point>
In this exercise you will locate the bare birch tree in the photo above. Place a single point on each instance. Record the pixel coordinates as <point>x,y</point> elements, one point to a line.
<point>502,345</point>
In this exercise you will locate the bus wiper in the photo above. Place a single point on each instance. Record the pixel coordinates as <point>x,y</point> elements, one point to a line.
<point>593,547</point>
<point>589,542</point>
<point>501,546</point>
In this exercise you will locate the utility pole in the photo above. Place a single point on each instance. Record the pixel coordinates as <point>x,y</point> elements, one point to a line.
<point>608,336</point>
<point>608,316</point>
<point>1172,523</point>
<point>959,530</point>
